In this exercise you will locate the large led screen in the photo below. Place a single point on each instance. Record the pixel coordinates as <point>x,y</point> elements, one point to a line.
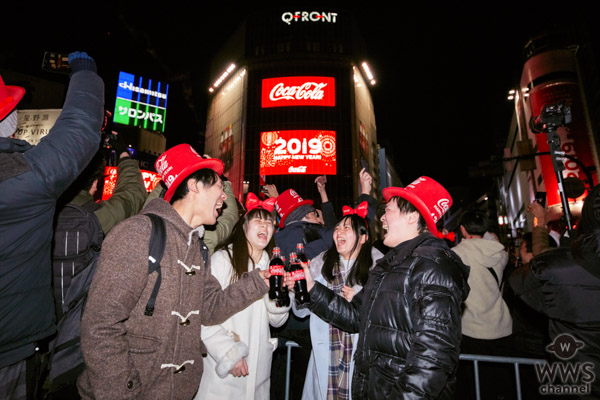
<point>151,179</point>
<point>298,91</point>
<point>298,152</point>
<point>141,102</point>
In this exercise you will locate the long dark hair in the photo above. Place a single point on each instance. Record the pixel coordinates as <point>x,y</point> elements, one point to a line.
<point>238,254</point>
<point>360,268</point>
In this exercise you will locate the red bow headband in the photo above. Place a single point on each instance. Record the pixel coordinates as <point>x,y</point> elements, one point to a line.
<point>253,202</point>
<point>450,236</point>
<point>362,210</point>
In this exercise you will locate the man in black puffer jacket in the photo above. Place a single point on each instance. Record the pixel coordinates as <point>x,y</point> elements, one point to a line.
<point>564,285</point>
<point>408,314</point>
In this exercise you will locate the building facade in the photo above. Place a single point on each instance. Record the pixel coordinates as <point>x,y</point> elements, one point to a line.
<point>292,102</point>
<point>551,77</point>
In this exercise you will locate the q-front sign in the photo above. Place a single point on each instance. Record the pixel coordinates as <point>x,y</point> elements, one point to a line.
<point>308,16</point>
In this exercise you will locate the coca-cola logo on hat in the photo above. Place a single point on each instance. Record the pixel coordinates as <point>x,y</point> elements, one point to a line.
<point>164,169</point>
<point>161,165</point>
<point>295,195</point>
<point>298,91</point>
<point>441,207</point>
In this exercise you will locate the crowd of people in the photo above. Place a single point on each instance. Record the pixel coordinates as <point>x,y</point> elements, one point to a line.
<point>385,321</point>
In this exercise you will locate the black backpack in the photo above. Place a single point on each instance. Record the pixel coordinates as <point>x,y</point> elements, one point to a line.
<point>76,248</point>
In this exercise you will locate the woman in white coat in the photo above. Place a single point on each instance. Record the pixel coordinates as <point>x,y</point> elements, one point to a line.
<point>238,365</point>
<point>343,268</point>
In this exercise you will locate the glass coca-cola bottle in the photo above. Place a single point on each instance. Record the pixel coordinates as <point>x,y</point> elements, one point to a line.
<point>286,292</point>
<point>276,269</point>
<point>297,273</point>
<point>300,253</point>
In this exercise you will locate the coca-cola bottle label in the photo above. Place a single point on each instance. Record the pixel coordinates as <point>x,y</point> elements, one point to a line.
<point>276,269</point>
<point>298,274</point>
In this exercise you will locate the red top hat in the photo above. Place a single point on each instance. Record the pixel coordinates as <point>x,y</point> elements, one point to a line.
<point>179,162</point>
<point>9,98</point>
<point>428,196</point>
<point>287,202</point>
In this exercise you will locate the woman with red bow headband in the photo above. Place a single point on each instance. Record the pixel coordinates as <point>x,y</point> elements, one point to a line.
<point>344,269</point>
<point>238,365</point>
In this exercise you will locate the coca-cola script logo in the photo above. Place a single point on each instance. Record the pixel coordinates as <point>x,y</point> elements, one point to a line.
<point>299,170</point>
<point>298,91</point>
<point>441,207</point>
<point>164,169</point>
<point>307,91</point>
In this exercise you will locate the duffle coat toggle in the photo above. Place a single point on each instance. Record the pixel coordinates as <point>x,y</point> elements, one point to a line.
<point>185,321</point>
<point>189,270</point>
<point>178,368</point>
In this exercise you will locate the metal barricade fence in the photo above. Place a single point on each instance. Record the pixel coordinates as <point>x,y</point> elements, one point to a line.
<point>288,366</point>
<point>476,358</point>
<point>516,361</point>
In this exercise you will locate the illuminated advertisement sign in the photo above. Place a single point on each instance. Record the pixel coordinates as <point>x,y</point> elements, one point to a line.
<point>141,102</point>
<point>33,125</point>
<point>150,178</point>
<point>301,152</point>
<point>308,16</point>
<point>298,91</point>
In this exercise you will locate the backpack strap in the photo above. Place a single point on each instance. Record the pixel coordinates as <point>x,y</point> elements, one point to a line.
<point>157,248</point>
<point>494,275</point>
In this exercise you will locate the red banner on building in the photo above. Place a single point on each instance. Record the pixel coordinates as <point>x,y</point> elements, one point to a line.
<point>302,152</point>
<point>298,91</point>
<point>574,139</point>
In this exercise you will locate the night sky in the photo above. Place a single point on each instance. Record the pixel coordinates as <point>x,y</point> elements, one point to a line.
<point>443,73</point>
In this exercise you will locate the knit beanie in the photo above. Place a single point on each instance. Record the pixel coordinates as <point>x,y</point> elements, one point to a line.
<point>298,213</point>
<point>8,125</point>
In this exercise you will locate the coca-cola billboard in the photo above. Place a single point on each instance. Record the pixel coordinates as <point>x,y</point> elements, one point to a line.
<point>298,91</point>
<point>298,152</point>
